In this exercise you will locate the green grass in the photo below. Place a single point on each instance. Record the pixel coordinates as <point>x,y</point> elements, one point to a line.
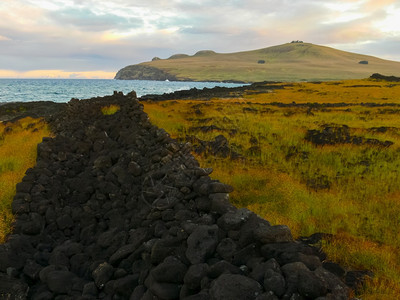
<point>110,109</point>
<point>351,191</point>
<point>18,144</point>
<point>287,62</point>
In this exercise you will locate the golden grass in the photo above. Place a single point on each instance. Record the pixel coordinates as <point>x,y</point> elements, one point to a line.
<point>344,91</point>
<point>360,253</point>
<point>110,109</point>
<point>284,182</point>
<point>18,144</point>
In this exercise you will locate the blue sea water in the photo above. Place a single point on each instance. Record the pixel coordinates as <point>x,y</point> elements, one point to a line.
<point>62,90</point>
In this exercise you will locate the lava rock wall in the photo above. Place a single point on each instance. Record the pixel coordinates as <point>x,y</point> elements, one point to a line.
<point>116,209</point>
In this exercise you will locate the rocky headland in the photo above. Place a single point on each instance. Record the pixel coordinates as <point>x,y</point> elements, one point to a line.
<point>287,62</point>
<point>116,209</point>
<point>142,72</point>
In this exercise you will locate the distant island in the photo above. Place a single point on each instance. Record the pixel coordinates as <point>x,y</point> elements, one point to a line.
<point>294,61</point>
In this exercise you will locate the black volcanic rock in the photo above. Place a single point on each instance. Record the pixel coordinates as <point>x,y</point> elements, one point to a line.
<point>384,77</point>
<point>11,288</point>
<point>116,209</point>
<point>340,134</point>
<point>36,109</point>
<point>235,287</point>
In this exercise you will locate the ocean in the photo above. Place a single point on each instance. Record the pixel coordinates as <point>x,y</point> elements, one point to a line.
<point>62,90</point>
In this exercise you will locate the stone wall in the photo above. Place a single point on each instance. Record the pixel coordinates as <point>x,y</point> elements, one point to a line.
<point>116,209</point>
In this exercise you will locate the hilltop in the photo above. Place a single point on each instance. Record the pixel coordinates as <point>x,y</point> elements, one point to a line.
<point>288,62</point>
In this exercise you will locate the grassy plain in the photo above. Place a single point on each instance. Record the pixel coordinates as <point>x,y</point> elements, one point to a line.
<point>18,144</point>
<point>287,62</point>
<point>346,188</point>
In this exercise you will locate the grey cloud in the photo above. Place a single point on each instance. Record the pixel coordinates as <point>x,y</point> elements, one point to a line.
<point>200,30</point>
<point>70,53</point>
<point>222,26</point>
<point>87,20</point>
<point>384,48</point>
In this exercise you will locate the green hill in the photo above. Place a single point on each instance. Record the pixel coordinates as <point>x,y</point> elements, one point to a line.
<point>287,62</point>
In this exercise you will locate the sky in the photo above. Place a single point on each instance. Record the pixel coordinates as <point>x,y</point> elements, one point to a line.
<point>96,38</point>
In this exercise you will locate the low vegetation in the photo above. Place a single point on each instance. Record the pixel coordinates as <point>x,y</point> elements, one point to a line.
<point>110,109</point>
<point>18,144</point>
<point>319,157</point>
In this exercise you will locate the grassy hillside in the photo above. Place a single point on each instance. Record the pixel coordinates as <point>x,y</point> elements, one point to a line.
<point>319,157</point>
<point>287,62</point>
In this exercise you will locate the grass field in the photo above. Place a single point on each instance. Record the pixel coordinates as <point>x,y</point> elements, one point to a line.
<point>347,185</point>
<point>18,144</point>
<point>318,157</point>
<point>287,62</point>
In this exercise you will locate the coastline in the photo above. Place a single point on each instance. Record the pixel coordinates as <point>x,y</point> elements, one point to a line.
<point>62,90</point>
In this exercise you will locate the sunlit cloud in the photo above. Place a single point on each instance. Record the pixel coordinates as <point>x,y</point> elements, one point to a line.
<point>56,74</point>
<point>373,5</point>
<point>391,24</point>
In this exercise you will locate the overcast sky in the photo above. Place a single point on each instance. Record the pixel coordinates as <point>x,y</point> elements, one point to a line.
<point>95,38</point>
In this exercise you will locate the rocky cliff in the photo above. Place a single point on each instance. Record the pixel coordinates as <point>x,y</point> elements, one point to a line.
<point>116,209</point>
<point>142,72</point>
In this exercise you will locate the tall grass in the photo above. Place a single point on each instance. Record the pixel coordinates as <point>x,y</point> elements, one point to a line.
<point>351,191</point>
<point>346,91</point>
<point>18,143</point>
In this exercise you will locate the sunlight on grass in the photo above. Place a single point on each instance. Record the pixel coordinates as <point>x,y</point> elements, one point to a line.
<point>18,144</point>
<point>360,253</point>
<point>347,91</point>
<point>349,190</point>
<point>110,109</point>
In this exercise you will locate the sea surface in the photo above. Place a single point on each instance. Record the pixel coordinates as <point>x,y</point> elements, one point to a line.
<point>62,90</point>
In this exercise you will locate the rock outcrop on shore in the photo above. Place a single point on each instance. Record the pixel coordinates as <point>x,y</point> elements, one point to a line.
<point>378,76</point>
<point>38,109</point>
<point>142,72</point>
<point>116,209</point>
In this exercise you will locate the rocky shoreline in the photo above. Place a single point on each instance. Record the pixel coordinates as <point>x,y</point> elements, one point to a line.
<point>116,209</point>
<point>39,109</point>
<point>215,92</point>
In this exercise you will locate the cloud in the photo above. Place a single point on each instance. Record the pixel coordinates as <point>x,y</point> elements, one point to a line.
<point>373,5</point>
<point>86,20</point>
<point>85,35</point>
<point>386,48</point>
<point>56,74</point>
